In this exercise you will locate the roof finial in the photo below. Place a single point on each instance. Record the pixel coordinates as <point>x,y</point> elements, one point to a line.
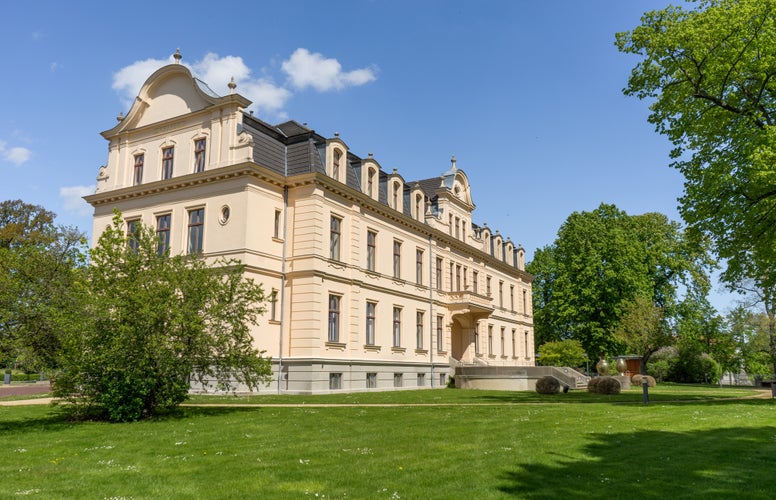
<point>231,86</point>
<point>177,56</point>
<point>120,117</point>
<point>452,160</point>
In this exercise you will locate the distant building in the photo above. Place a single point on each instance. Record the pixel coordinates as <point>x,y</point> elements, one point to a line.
<point>374,282</point>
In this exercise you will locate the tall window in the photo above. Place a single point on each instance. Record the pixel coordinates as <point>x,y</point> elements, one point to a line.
<point>487,286</point>
<point>276,230</point>
<point>370,183</point>
<point>525,303</point>
<point>371,248</point>
<point>167,158</point>
<point>514,334</point>
<point>458,278</point>
<point>419,206</point>
<point>138,172</point>
<point>475,280</point>
<point>501,294</point>
<point>334,313</point>
<point>512,298</point>
<point>477,338</point>
<point>490,340</point>
<point>395,196</point>
<point>196,225</point>
<point>335,168</point>
<point>525,346</point>
<point>452,283</point>
<point>370,323</point>
<point>440,340</point>
<point>397,326</point>
<point>419,329</point>
<point>419,266</point>
<point>439,274</point>
<point>396,259</point>
<point>199,155</point>
<point>273,303</point>
<point>457,227</point>
<point>133,226</point>
<point>334,247</point>
<point>163,233</point>
<point>503,333</point>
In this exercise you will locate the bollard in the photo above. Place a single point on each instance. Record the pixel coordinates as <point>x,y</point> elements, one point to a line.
<point>645,387</point>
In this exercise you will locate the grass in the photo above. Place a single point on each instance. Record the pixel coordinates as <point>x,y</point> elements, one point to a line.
<point>689,442</point>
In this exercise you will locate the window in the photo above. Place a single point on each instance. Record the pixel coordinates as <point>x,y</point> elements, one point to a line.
<point>421,379</point>
<point>419,206</point>
<point>133,227</point>
<point>465,278</point>
<point>276,230</point>
<point>335,381</point>
<point>273,302</point>
<point>397,326</point>
<point>440,343</point>
<point>334,247</point>
<point>371,380</point>
<point>501,294</point>
<point>196,225</point>
<point>396,259</point>
<point>419,329</point>
<point>138,172</point>
<point>439,274</point>
<point>457,228</point>
<point>525,303</point>
<point>396,187</point>
<point>475,279</point>
<point>419,266</point>
<point>370,183</point>
<point>334,312</point>
<point>452,283</point>
<point>163,233</point>
<point>458,278</point>
<point>199,155</point>
<point>490,340</point>
<point>398,379</point>
<point>487,286</point>
<point>525,346</point>
<point>370,323</point>
<point>514,334</point>
<point>442,380</point>
<point>512,298</point>
<point>477,338</point>
<point>167,158</point>
<point>371,247</point>
<point>503,333</point>
<point>335,168</point>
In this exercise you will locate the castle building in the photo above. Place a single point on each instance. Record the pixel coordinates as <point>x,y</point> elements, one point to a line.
<point>373,281</point>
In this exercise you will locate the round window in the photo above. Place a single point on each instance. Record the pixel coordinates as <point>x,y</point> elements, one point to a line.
<point>224,217</point>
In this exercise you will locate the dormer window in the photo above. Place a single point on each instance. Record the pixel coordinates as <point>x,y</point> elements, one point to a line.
<point>396,188</point>
<point>335,167</point>
<point>419,206</point>
<point>370,183</point>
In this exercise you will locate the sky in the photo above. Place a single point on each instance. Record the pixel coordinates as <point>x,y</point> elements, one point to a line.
<point>526,94</point>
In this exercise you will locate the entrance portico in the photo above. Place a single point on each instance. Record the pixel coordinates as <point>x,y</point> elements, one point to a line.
<point>466,310</point>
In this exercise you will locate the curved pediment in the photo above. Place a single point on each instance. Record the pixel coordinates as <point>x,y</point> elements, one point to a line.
<point>170,92</point>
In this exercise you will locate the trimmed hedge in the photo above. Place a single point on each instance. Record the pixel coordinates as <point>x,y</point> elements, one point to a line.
<point>548,385</point>
<point>636,380</point>
<point>604,385</point>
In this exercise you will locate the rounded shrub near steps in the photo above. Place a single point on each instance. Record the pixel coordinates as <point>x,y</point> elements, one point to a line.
<point>637,380</point>
<point>548,385</point>
<point>604,385</point>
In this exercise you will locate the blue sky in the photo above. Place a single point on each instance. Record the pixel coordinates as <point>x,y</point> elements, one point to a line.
<point>527,95</point>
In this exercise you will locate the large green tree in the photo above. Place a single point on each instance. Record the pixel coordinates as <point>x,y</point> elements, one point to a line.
<point>643,329</point>
<point>40,263</point>
<point>148,323</point>
<point>709,73</point>
<point>599,263</point>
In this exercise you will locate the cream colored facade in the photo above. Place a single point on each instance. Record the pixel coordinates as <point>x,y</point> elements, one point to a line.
<point>374,282</point>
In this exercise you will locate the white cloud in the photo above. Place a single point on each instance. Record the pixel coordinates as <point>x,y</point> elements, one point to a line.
<point>73,199</point>
<point>128,80</point>
<point>306,69</point>
<point>16,155</point>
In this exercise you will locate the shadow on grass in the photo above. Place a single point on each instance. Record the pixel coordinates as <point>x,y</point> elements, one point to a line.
<point>56,418</point>
<point>717,463</point>
<point>630,397</point>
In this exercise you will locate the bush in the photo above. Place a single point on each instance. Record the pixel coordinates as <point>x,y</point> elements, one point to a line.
<point>636,380</point>
<point>659,369</point>
<point>548,385</point>
<point>604,385</point>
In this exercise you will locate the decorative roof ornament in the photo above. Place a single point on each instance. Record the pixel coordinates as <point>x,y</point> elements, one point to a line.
<point>231,86</point>
<point>120,117</point>
<point>452,161</point>
<point>177,56</point>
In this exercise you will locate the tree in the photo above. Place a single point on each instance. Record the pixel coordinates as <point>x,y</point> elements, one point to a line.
<point>600,262</point>
<point>150,323</point>
<point>709,74</point>
<point>643,329</point>
<point>40,263</point>
<point>562,353</point>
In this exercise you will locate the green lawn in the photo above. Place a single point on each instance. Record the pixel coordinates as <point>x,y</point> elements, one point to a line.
<point>689,442</point>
